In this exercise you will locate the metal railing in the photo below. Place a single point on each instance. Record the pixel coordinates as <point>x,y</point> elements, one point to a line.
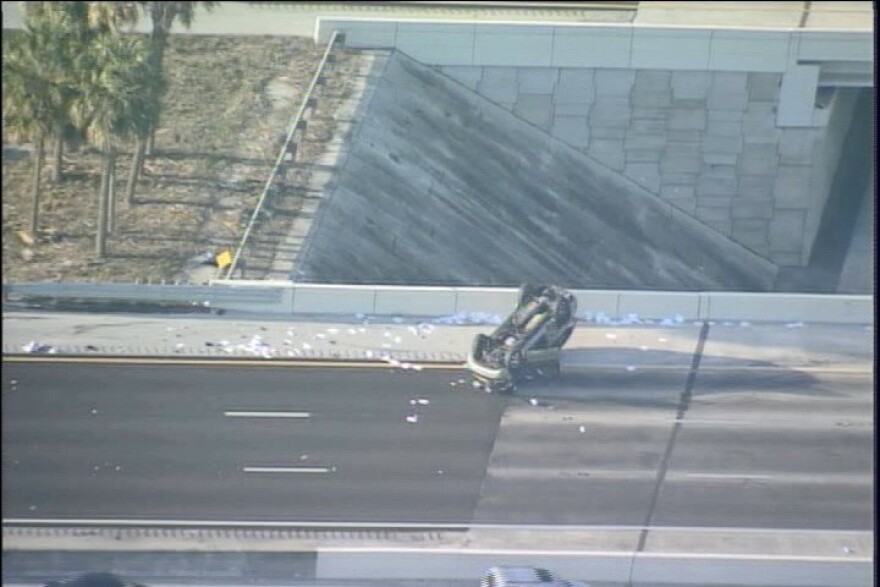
<point>285,147</point>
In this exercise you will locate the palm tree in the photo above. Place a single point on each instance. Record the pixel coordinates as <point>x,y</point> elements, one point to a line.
<point>113,104</point>
<point>163,15</point>
<point>29,102</point>
<point>71,27</point>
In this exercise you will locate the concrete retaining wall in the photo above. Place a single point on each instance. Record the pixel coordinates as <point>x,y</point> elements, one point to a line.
<point>724,124</point>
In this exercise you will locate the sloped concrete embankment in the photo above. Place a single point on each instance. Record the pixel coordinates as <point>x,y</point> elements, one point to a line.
<point>441,186</point>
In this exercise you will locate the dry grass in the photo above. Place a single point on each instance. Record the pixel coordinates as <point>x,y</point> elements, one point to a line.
<point>217,141</point>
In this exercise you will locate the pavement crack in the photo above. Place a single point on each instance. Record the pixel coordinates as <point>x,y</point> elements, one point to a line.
<point>683,404</point>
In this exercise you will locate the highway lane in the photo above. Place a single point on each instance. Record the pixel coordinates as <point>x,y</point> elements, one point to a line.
<point>777,432</point>
<point>100,441</point>
<point>768,446</point>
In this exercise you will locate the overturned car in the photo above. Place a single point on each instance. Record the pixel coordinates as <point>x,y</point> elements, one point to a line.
<point>528,342</point>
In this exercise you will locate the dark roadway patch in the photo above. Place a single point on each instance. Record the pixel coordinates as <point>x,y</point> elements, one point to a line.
<point>180,458</point>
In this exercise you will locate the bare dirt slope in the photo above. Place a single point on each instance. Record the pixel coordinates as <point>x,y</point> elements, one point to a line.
<point>230,98</point>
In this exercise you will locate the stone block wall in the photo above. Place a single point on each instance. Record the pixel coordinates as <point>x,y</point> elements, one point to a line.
<point>707,142</point>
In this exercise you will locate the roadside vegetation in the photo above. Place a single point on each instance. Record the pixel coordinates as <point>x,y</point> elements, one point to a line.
<point>124,155</point>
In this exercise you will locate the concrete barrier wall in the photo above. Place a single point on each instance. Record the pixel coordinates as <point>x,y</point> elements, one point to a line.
<point>419,301</point>
<point>490,300</point>
<point>766,572</point>
<point>789,307</point>
<point>334,299</point>
<point>438,42</point>
<point>292,298</point>
<point>454,564</point>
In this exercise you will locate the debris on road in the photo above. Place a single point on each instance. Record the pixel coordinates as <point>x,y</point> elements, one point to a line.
<point>582,429</point>
<point>38,347</point>
<point>412,418</point>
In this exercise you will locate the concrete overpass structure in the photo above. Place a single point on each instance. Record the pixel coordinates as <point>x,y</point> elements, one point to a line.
<point>734,113</point>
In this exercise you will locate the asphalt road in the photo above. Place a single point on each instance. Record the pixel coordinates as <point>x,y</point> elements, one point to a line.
<point>153,442</point>
<point>774,445</point>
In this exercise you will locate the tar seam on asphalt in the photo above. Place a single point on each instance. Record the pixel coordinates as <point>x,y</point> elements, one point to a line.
<point>683,405</point>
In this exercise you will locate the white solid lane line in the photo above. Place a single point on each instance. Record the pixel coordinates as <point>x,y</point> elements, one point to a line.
<point>286,469</point>
<point>243,414</point>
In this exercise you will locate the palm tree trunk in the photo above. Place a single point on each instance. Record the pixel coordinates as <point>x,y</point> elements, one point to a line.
<point>151,138</point>
<point>101,235</point>
<point>35,193</point>
<point>134,173</point>
<point>58,155</point>
<point>158,42</point>
<point>111,198</point>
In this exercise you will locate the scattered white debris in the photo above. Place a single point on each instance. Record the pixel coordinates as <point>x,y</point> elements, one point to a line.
<point>97,467</point>
<point>678,318</point>
<point>475,384</point>
<point>846,549</point>
<point>661,340</point>
<point>321,335</point>
<point>368,354</point>
<point>421,401</point>
<point>397,320</point>
<point>462,381</point>
<point>94,411</point>
<point>37,347</point>
<point>630,368</point>
<point>179,346</point>
<point>413,330</point>
<point>386,345</point>
<point>169,329</point>
<point>439,471</point>
<point>360,316</point>
<point>118,467</point>
<point>303,457</point>
<point>534,401</point>
<point>469,318</point>
<point>14,382</point>
<point>394,362</point>
<point>666,322</point>
<point>610,335</point>
<point>362,330</point>
<point>417,367</point>
<point>412,418</point>
<point>644,348</point>
<point>397,340</point>
<point>352,331</point>
<point>582,429</point>
<point>405,366</point>
<point>795,325</point>
<point>387,334</point>
<point>452,383</point>
<point>290,332</point>
<point>745,324</point>
<point>306,346</point>
<point>631,319</point>
<point>32,508</point>
<point>287,342</point>
<point>332,330</point>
